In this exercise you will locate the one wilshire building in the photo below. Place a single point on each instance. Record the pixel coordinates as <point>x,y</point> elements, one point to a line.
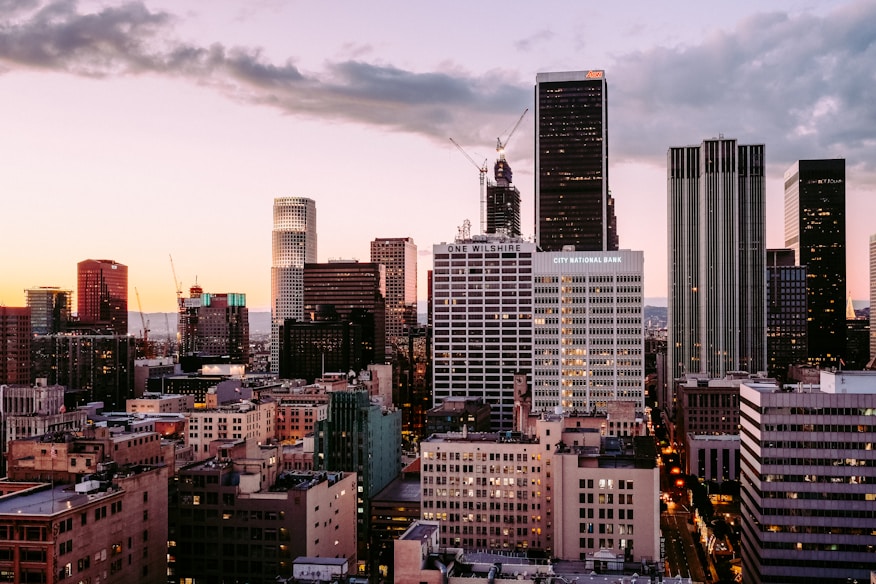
<point>482,320</point>
<point>717,256</point>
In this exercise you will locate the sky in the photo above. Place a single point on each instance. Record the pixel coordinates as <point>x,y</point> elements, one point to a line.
<point>137,131</point>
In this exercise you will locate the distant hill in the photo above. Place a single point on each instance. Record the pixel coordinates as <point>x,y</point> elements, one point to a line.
<point>162,323</point>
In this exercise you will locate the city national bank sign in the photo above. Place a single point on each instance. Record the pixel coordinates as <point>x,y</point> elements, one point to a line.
<point>607,259</point>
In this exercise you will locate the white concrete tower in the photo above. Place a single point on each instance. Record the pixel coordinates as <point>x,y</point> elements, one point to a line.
<point>293,244</point>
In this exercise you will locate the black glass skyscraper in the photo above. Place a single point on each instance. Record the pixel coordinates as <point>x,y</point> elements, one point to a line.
<point>573,206</point>
<point>815,228</point>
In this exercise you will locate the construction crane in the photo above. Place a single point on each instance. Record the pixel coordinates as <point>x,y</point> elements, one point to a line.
<point>177,285</point>
<point>482,169</point>
<point>500,146</point>
<point>147,353</point>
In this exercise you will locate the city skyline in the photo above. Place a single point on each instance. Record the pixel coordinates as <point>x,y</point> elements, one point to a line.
<point>177,126</point>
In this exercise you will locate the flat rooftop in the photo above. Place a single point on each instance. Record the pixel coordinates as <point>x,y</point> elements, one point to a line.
<point>419,532</point>
<point>45,500</point>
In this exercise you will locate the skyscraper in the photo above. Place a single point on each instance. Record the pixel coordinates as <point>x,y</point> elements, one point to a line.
<point>293,243</point>
<point>357,293</point>
<point>214,325</point>
<point>50,309</point>
<point>572,202</point>
<point>15,347</point>
<point>873,296</point>
<point>588,330</point>
<point>806,480</point>
<point>102,295</point>
<point>815,228</point>
<point>482,321</point>
<point>399,256</point>
<point>717,255</point>
<point>786,313</point>
<point>503,201</point>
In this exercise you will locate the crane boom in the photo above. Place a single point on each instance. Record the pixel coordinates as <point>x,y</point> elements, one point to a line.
<point>482,169</point>
<point>146,352</point>
<point>177,285</point>
<point>500,146</point>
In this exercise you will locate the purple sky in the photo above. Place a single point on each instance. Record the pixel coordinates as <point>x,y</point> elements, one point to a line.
<point>131,131</point>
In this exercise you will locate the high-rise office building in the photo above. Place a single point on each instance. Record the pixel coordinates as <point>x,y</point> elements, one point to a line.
<point>362,437</point>
<point>503,201</point>
<point>214,325</point>
<point>15,339</point>
<point>573,205</point>
<point>92,367</point>
<point>357,292</point>
<point>50,309</point>
<point>310,349</point>
<point>873,296</point>
<point>482,320</point>
<point>293,244</point>
<point>807,480</point>
<point>102,295</point>
<point>588,330</point>
<point>786,312</point>
<point>399,256</point>
<point>717,256</point>
<point>815,228</point>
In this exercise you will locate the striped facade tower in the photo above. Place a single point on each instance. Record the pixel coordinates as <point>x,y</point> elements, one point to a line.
<point>717,257</point>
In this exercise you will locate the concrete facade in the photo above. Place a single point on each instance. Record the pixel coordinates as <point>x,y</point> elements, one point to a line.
<point>248,419</point>
<point>238,516</point>
<point>588,330</point>
<point>482,320</point>
<point>807,480</point>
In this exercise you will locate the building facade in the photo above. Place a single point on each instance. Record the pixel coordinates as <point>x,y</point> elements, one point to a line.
<point>399,256</point>
<point>214,325</point>
<point>27,411</point>
<point>358,293</point>
<point>872,296</point>
<point>92,367</point>
<point>815,228</point>
<point>102,295</point>
<point>293,244</point>
<point>786,313</point>
<point>238,518</point>
<point>246,420</point>
<point>807,480</point>
<point>482,320</point>
<point>503,201</point>
<point>51,308</point>
<point>362,437</point>
<point>567,489</point>
<point>486,492</point>
<point>717,258</point>
<point>329,344</point>
<point>414,397</point>
<point>573,206</point>
<point>454,413</point>
<point>15,345</point>
<point>588,330</point>
<point>111,529</point>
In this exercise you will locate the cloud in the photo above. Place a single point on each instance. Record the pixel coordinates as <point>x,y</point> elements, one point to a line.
<point>528,43</point>
<point>803,85</point>
<point>132,40</point>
